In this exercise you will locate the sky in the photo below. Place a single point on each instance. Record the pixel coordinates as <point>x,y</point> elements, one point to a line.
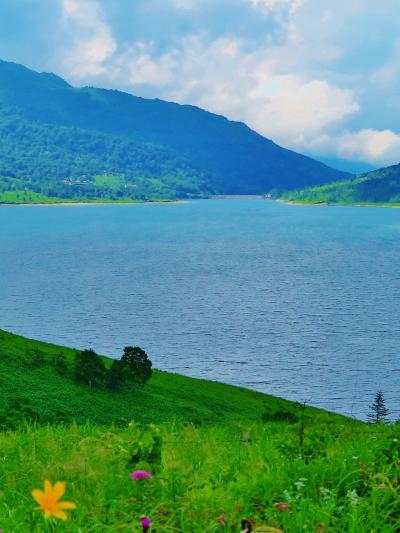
<point>321,77</point>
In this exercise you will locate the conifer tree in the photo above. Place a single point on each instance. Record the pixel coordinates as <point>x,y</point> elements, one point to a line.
<point>378,411</point>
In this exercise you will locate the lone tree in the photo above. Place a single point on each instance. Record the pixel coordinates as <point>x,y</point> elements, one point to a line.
<point>89,369</point>
<point>137,364</point>
<point>378,409</point>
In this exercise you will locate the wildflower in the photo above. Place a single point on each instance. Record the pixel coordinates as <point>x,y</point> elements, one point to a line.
<point>325,493</point>
<point>221,520</point>
<point>146,523</point>
<point>141,474</point>
<point>382,486</point>
<point>287,495</point>
<point>49,500</point>
<point>353,497</point>
<point>282,506</point>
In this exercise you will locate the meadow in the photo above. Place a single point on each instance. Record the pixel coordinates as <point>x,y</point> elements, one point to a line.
<point>217,455</point>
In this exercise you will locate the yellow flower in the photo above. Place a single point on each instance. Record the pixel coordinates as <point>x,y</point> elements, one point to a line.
<point>49,500</point>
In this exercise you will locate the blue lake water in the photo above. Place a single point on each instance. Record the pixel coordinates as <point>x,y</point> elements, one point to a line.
<point>301,302</point>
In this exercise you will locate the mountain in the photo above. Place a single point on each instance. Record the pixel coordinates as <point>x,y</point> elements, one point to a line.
<point>58,140</point>
<point>353,167</point>
<point>380,186</point>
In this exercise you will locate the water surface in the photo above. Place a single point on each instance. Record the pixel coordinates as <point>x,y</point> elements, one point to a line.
<point>301,302</point>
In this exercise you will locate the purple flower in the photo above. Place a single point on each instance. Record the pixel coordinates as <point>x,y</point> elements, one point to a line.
<point>141,474</point>
<point>146,522</point>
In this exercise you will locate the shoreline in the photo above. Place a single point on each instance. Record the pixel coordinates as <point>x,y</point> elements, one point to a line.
<point>327,204</point>
<point>80,204</point>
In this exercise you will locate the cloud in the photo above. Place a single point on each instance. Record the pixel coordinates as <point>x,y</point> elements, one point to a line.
<point>369,145</point>
<point>141,68</point>
<point>92,40</point>
<point>298,71</point>
<point>223,77</point>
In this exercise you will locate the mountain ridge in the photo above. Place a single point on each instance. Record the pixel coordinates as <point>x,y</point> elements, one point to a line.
<point>221,156</point>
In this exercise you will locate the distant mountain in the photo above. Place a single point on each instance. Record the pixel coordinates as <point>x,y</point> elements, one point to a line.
<point>353,167</point>
<point>59,140</point>
<point>379,186</point>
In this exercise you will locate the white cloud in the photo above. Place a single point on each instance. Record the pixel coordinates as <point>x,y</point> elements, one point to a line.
<point>268,6</point>
<point>142,69</point>
<point>223,77</point>
<point>92,40</point>
<point>285,83</point>
<point>370,145</point>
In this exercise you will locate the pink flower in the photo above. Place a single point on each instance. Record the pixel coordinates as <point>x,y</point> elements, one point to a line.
<point>381,486</point>
<point>281,506</point>
<point>222,520</point>
<point>141,474</point>
<point>146,522</point>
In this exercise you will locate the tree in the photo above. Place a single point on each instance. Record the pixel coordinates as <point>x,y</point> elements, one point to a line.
<point>378,409</point>
<point>117,375</point>
<point>137,364</point>
<point>60,364</point>
<point>89,369</point>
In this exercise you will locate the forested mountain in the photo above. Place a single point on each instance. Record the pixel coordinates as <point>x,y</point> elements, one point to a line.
<point>378,186</point>
<point>59,140</point>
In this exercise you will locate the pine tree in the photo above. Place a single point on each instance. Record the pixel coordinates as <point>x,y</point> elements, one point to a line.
<point>378,409</point>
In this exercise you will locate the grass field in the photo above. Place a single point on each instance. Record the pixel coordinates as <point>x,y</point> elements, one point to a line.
<point>218,455</point>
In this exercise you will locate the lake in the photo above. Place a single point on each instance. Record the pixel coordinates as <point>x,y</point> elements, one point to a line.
<point>296,301</point>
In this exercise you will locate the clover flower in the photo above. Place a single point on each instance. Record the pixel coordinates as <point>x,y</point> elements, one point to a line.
<point>146,523</point>
<point>49,500</point>
<point>141,474</point>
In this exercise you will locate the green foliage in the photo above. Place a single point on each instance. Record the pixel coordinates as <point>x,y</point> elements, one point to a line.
<point>378,412</point>
<point>381,187</point>
<point>205,479</point>
<point>116,375</point>
<point>89,369</point>
<point>137,364</point>
<point>55,396</point>
<point>334,474</point>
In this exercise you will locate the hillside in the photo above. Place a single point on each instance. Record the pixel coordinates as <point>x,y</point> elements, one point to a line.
<point>377,187</point>
<point>56,140</point>
<point>213,461</point>
<point>32,387</point>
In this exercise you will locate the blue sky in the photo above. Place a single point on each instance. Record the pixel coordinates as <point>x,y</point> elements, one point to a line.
<point>318,76</point>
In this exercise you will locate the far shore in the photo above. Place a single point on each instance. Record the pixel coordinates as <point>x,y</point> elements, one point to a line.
<point>64,204</point>
<point>327,204</point>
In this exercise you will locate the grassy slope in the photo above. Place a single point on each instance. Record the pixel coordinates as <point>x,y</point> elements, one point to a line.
<point>52,397</point>
<point>337,475</point>
<point>380,187</point>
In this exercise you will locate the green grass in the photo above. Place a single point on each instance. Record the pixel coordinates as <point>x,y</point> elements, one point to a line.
<point>30,197</point>
<point>212,457</point>
<point>27,374</point>
<point>380,188</point>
